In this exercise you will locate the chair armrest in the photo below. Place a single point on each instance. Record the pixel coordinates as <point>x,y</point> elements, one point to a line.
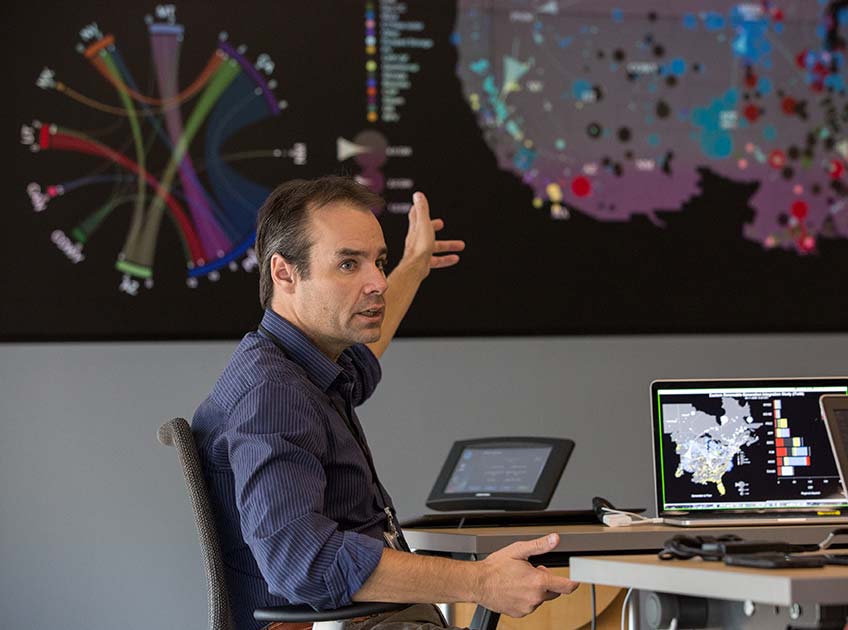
<point>305,613</point>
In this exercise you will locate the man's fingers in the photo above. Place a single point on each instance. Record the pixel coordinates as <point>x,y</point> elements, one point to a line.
<point>558,584</point>
<point>448,246</point>
<point>525,548</point>
<point>437,224</point>
<point>420,201</point>
<point>440,262</point>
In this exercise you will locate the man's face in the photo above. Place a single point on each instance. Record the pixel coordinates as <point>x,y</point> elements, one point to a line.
<point>341,303</point>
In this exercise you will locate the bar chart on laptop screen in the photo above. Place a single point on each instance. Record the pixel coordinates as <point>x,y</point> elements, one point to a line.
<point>747,448</point>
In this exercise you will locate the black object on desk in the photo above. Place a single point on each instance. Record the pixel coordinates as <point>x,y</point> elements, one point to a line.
<point>458,520</point>
<point>508,473</point>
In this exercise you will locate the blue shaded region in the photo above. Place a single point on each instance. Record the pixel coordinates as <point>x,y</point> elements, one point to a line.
<point>524,159</point>
<point>677,67</point>
<point>770,133</point>
<point>495,101</point>
<point>714,21</point>
<point>690,21</point>
<point>842,16</point>
<point>239,197</point>
<point>751,40</point>
<point>617,15</point>
<point>764,86</point>
<point>166,29</point>
<point>454,38</point>
<point>514,130</point>
<point>95,179</point>
<point>234,253</point>
<point>579,87</point>
<point>715,142</point>
<point>565,42</point>
<point>778,27</point>
<point>653,139</point>
<point>835,81</point>
<point>481,66</point>
<point>838,62</point>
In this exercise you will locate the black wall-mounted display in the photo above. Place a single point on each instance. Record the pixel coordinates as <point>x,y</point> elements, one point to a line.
<point>638,167</point>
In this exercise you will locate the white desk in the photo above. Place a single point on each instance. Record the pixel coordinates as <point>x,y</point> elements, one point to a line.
<point>780,587</point>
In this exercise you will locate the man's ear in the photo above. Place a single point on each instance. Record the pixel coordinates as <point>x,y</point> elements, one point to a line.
<point>283,273</point>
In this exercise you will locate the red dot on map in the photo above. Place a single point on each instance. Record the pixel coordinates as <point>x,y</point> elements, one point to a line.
<point>752,112</point>
<point>799,210</point>
<point>788,105</point>
<point>581,186</point>
<point>807,244</point>
<point>777,159</point>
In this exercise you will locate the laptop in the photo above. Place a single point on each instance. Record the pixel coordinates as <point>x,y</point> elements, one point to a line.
<point>735,452</point>
<point>834,410</point>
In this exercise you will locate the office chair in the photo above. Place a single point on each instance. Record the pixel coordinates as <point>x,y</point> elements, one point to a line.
<point>177,432</point>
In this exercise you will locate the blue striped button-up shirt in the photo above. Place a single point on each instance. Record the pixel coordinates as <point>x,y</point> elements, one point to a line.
<point>296,507</point>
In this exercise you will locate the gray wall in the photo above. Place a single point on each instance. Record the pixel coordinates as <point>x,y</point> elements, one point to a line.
<point>95,529</point>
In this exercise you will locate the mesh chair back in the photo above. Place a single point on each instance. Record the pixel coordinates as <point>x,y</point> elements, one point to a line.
<point>177,432</point>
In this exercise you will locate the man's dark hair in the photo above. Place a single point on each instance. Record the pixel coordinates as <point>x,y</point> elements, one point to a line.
<point>283,221</point>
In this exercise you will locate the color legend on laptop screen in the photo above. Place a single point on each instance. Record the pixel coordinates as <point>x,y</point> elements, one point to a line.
<point>745,447</point>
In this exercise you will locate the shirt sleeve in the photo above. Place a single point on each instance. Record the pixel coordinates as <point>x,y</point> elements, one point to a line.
<point>275,439</point>
<point>368,372</point>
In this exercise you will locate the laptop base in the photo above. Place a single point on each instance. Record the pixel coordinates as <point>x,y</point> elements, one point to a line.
<point>730,521</point>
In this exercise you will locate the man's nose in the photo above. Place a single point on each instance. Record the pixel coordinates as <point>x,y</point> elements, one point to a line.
<point>377,281</point>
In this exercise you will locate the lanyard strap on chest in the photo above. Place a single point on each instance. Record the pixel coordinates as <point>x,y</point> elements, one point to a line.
<point>340,404</point>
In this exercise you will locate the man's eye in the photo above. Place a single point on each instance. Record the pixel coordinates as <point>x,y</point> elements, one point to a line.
<point>381,265</point>
<point>348,265</point>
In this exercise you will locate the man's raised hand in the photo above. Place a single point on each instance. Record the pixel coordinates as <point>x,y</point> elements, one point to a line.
<point>421,246</point>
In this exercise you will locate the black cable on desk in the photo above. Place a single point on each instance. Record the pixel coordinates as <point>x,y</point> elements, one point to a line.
<point>594,612</point>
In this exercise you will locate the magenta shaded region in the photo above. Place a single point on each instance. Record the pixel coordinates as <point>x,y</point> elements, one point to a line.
<point>165,54</point>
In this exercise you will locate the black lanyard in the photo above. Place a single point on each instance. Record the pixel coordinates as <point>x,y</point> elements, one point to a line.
<point>394,536</point>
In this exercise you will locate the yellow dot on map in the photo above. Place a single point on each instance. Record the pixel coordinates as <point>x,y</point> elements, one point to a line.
<point>370,50</point>
<point>554,192</point>
<point>371,66</point>
<point>372,116</point>
<point>537,203</point>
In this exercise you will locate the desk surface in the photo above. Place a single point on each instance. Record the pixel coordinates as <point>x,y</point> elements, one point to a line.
<point>780,587</point>
<point>593,538</point>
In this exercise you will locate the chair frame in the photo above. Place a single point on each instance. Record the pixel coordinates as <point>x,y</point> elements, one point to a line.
<point>177,433</point>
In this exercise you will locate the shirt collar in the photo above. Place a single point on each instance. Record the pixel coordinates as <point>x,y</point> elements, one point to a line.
<point>298,347</point>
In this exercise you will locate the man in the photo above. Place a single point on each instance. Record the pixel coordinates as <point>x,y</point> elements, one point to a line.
<point>301,515</point>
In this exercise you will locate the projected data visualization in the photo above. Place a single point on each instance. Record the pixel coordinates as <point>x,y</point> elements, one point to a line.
<point>746,448</point>
<point>610,109</point>
<point>614,167</point>
<point>211,206</point>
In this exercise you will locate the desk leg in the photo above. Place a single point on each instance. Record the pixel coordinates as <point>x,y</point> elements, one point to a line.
<point>633,611</point>
<point>484,619</point>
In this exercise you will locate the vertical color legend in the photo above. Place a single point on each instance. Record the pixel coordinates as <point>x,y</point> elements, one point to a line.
<point>791,452</point>
<point>371,61</point>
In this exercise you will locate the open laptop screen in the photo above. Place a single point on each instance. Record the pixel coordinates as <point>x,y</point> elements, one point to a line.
<point>744,445</point>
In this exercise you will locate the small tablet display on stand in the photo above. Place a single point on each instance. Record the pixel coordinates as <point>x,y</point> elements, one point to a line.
<point>513,473</point>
